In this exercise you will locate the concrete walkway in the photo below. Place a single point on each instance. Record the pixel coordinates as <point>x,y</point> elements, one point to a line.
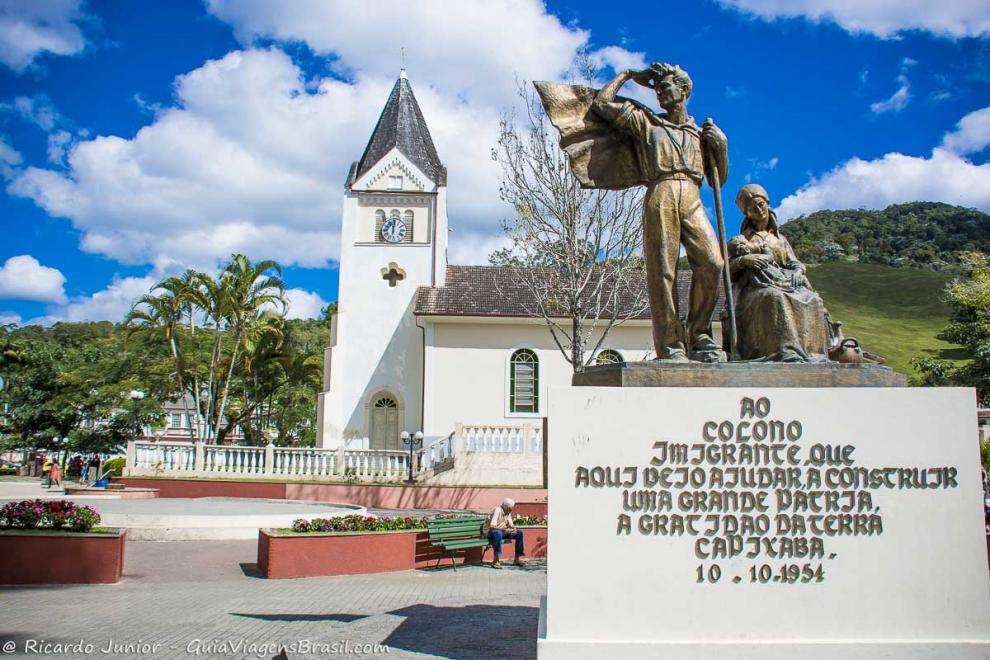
<point>182,519</point>
<point>190,597</point>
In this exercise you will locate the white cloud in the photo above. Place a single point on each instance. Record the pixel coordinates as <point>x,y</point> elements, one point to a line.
<point>10,158</point>
<point>109,304</point>
<point>618,59</point>
<point>8,318</point>
<point>24,278</point>
<point>58,146</point>
<point>38,110</point>
<point>473,249</point>
<point>972,133</point>
<point>304,304</point>
<point>251,157</point>
<point>250,162</point>
<point>8,154</point>
<point>29,28</point>
<point>114,302</point>
<point>897,101</point>
<point>945,176</point>
<point>469,49</point>
<point>883,18</point>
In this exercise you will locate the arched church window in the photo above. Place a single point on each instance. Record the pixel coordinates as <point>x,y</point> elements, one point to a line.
<point>609,356</point>
<point>407,217</point>
<point>524,382</point>
<point>386,402</point>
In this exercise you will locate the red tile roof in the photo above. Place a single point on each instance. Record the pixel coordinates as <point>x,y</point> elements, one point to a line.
<point>499,291</point>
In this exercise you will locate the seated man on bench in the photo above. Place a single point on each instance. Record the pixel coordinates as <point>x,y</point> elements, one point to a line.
<point>502,527</point>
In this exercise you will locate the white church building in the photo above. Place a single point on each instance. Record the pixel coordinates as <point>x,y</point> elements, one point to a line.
<point>420,345</point>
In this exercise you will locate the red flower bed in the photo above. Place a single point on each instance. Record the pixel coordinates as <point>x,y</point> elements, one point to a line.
<point>48,514</point>
<point>357,523</point>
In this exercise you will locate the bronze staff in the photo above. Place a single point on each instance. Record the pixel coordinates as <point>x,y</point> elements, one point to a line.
<point>714,180</point>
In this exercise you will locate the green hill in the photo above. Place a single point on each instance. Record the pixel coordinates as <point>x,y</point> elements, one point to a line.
<point>920,234</point>
<point>894,312</point>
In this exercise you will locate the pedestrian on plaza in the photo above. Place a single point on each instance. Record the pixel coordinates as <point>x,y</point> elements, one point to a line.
<point>55,475</point>
<point>75,466</point>
<point>46,472</point>
<point>502,527</point>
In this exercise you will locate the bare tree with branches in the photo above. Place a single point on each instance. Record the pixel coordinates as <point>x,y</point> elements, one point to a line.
<point>574,251</point>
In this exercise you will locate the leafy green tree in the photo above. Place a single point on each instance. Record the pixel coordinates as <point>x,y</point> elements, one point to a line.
<point>969,326</point>
<point>62,379</point>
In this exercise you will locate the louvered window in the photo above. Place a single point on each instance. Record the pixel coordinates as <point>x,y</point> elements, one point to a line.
<point>379,223</point>
<point>524,382</point>
<point>407,218</point>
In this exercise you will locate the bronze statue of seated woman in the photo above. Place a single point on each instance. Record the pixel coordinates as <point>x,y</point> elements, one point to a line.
<point>779,317</point>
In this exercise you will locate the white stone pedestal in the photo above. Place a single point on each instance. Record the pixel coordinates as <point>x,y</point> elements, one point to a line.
<point>891,563</point>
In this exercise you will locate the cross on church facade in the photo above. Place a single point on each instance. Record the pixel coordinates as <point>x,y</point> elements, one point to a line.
<point>393,275</point>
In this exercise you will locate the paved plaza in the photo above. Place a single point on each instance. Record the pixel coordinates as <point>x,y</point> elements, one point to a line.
<point>191,597</point>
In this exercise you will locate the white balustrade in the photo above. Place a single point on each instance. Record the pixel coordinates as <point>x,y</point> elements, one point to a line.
<point>233,459</point>
<point>436,452</point>
<point>304,462</point>
<point>500,438</point>
<point>536,440</point>
<point>340,463</point>
<point>164,456</point>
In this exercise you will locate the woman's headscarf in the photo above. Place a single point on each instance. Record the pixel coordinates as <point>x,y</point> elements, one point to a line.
<point>746,193</point>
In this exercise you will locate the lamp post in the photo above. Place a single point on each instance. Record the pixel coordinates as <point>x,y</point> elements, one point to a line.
<point>135,396</point>
<point>414,442</point>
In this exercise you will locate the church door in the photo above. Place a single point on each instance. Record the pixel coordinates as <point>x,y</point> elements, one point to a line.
<point>385,424</point>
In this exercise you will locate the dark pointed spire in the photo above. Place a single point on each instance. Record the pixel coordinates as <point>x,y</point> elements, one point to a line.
<point>401,125</point>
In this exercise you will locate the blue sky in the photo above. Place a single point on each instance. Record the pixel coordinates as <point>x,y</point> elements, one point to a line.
<point>139,139</point>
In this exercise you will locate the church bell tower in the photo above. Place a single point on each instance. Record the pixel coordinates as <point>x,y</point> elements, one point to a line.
<point>393,240</point>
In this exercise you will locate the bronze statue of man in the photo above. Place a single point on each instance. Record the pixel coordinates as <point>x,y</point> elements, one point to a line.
<point>617,143</point>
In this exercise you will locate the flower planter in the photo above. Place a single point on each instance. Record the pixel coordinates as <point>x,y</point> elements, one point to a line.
<point>56,557</point>
<point>283,555</point>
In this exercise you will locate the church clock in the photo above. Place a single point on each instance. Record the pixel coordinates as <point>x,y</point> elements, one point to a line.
<point>394,230</point>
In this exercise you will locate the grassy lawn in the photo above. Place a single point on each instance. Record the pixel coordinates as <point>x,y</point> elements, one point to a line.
<point>893,312</point>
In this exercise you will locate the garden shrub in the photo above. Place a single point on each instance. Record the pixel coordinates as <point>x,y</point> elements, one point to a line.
<point>115,465</point>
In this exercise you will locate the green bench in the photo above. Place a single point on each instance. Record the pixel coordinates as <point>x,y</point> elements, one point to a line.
<point>458,534</point>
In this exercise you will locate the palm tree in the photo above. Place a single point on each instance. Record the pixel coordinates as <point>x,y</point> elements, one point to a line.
<point>259,364</point>
<point>178,299</point>
<point>164,313</point>
<point>244,306</point>
<point>249,291</point>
